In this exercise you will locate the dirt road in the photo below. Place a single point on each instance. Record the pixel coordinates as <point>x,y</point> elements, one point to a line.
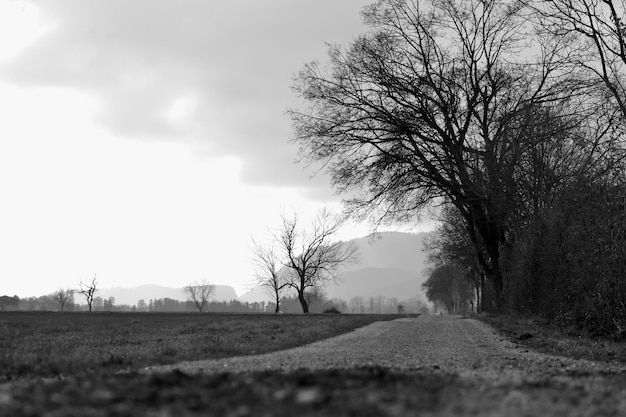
<point>484,373</point>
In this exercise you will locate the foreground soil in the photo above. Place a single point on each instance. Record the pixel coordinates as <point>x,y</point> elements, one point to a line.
<point>426,366</point>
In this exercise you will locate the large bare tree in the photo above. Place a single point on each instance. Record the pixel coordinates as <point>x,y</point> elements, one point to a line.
<point>200,293</point>
<point>591,35</point>
<point>426,106</point>
<point>267,270</point>
<point>311,256</point>
<point>63,295</point>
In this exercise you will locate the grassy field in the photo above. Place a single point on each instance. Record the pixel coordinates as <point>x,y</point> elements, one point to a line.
<point>65,364</point>
<point>542,336</point>
<point>85,351</point>
<point>46,344</point>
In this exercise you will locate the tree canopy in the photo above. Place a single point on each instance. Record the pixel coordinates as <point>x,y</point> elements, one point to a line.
<point>478,105</point>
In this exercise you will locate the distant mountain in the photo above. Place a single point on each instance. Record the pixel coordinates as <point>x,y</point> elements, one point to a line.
<point>255,295</point>
<point>391,250</point>
<point>130,296</point>
<point>390,264</point>
<point>372,282</point>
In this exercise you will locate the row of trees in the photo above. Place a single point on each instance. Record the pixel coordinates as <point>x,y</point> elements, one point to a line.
<point>510,114</point>
<point>356,305</point>
<point>64,297</point>
<point>49,303</point>
<point>199,294</point>
<point>455,279</point>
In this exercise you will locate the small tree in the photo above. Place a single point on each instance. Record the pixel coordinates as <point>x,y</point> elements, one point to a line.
<point>199,293</point>
<point>62,296</point>
<point>89,291</point>
<point>311,256</point>
<point>267,271</point>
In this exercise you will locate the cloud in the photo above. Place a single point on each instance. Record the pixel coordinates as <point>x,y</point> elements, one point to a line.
<point>213,74</point>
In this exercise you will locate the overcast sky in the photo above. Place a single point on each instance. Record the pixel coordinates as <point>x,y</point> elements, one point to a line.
<point>146,141</point>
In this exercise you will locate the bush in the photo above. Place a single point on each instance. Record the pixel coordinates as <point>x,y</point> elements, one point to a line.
<point>568,266</point>
<point>332,310</point>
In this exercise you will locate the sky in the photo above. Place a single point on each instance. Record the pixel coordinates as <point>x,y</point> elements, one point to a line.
<point>146,141</point>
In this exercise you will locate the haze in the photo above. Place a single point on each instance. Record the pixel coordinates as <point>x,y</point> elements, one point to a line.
<point>147,141</point>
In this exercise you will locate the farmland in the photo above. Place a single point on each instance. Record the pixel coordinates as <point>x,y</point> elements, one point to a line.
<point>87,364</point>
<point>90,365</point>
<point>46,344</point>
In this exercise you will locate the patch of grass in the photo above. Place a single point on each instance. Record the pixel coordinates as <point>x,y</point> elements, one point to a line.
<point>45,344</point>
<point>538,334</point>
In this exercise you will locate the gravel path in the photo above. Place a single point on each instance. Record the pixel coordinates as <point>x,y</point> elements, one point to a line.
<point>492,376</point>
<point>450,344</point>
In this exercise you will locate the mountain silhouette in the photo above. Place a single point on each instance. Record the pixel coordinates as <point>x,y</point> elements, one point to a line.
<point>372,282</point>
<point>390,264</point>
<point>390,250</point>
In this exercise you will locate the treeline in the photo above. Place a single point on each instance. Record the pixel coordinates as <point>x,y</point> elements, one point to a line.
<point>291,305</point>
<point>356,305</point>
<point>511,115</point>
<point>564,262</point>
<point>50,303</point>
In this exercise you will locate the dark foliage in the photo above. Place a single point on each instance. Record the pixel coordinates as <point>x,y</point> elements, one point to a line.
<point>494,110</point>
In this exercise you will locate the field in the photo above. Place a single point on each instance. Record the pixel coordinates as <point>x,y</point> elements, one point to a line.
<point>82,364</point>
<point>86,364</point>
<point>45,344</point>
<point>541,335</point>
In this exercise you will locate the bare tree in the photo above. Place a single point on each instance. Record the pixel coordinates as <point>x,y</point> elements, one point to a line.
<point>311,256</point>
<point>89,291</point>
<point>427,106</point>
<point>592,39</point>
<point>63,296</point>
<point>268,272</point>
<point>199,293</point>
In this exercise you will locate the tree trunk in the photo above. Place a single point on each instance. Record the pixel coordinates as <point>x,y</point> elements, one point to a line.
<point>496,279</point>
<point>493,237</point>
<point>498,291</point>
<point>303,303</point>
<point>482,291</point>
<point>277,303</point>
<point>493,297</point>
<point>477,291</point>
